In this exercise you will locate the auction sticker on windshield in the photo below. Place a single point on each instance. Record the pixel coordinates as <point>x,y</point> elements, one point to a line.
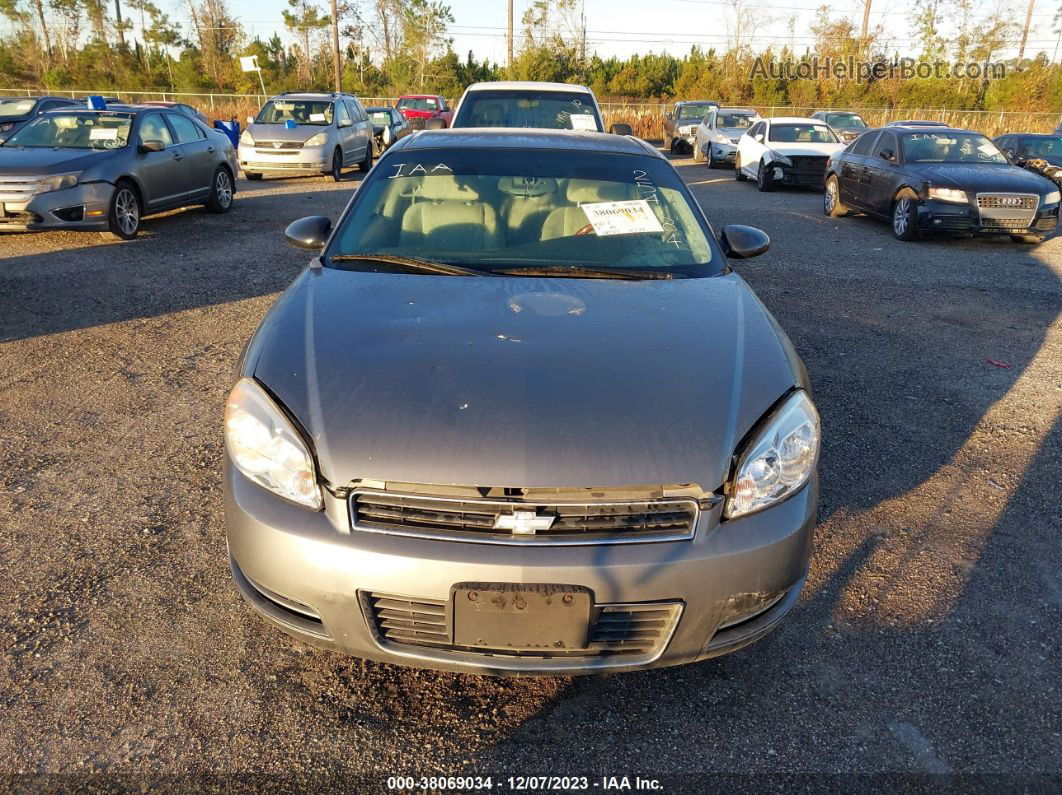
<point>583,121</point>
<point>621,218</point>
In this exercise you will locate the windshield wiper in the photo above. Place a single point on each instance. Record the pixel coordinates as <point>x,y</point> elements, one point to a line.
<point>410,262</point>
<point>580,272</point>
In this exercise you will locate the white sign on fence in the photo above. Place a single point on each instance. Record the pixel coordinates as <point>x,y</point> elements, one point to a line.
<point>249,63</point>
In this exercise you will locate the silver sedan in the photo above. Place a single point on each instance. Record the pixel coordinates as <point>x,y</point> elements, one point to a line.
<point>104,170</point>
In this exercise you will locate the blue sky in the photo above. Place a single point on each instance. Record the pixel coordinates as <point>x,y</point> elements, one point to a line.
<point>621,27</point>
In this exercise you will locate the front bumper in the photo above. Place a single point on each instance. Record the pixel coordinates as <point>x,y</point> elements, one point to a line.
<point>311,575</point>
<point>947,218</point>
<point>83,207</point>
<point>307,160</point>
<point>800,177</point>
<point>723,152</point>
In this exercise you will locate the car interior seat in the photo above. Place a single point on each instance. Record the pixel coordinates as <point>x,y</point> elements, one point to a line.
<point>449,215</point>
<point>566,221</point>
<point>527,203</point>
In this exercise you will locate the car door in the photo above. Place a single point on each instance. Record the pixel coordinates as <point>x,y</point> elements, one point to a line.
<point>879,173</point>
<point>344,131</point>
<point>159,173</point>
<point>853,165</point>
<point>197,151</point>
<point>751,147</point>
<point>362,129</point>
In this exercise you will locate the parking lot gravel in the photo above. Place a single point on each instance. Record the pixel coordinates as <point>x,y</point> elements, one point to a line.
<point>926,641</point>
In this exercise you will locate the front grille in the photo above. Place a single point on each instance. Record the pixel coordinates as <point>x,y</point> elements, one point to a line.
<point>16,189</point>
<point>474,519</point>
<point>1013,201</point>
<point>639,630</point>
<point>265,147</point>
<point>809,163</point>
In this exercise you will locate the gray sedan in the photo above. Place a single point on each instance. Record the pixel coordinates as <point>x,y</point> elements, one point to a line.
<point>105,170</point>
<point>515,421</point>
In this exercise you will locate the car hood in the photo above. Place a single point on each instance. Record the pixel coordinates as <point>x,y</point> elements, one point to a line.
<point>804,149</point>
<point>278,132</point>
<point>523,382</point>
<point>982,177</point>
<point>40,161</point>
<point>733,132</point>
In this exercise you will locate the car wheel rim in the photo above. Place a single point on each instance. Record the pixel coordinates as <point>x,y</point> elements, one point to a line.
<point>831,195</point>
<point>224,189</point>
<point>127,211</point>
<point>899,218</point>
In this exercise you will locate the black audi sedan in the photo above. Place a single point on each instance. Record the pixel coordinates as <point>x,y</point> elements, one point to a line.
<point>939,180</point>
<point>16,111</point>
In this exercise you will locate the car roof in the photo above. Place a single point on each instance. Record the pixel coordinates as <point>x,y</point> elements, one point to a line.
<point>921,128</point>
<point>309,95</point>
<point>419,96</point>
<point>793,120</point>
<point>735,109</point>
<point>697,102</point>
<point>1032,135</point>
<point>526,85</point>
<point>526,138</point>
<point>114,107</point>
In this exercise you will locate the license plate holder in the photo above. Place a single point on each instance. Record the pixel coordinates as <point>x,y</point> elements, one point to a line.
<point>524,617</point>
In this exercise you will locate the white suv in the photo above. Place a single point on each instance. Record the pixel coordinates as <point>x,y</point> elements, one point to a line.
<point>304,133</point>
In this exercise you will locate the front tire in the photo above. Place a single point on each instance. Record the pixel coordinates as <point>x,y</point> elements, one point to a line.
<point>698,154</point>
<point>709,158</point>
<point>764,183</point>
<point>123,216</point>
<point>337,166</point>
<point>905,218</point>
<point>831,199</point>
<point>221,192</point>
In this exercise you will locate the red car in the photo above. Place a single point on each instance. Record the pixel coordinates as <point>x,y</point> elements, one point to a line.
<point>421,108</point>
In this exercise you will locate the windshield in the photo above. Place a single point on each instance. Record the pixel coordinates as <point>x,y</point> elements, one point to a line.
<point>846,120</point>
<point>697,112</point>
<point>552,110</point>
<point>85,130</point>
<point>950,147</point>
<point>418,103</point>
<point>1040,147</point>
<point>300,111</point>
<point>740,121</point>
<point>380,117</point>
<point>518,208</point>
<point>15,108</point>
<point>802,133</point>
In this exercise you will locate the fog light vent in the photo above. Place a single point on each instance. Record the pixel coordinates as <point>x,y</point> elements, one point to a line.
<point>70,214</point>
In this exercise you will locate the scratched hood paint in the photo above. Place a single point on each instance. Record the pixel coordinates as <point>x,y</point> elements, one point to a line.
<point>523,382</point>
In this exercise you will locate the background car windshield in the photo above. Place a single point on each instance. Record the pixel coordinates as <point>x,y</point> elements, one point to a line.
<point>950,147</point>
<point>696,112</point>
<point>75,131</point>
<point>14,108</point>
<point>734,120</point>
<point>802,133</point>
<point>555,110</point>
<point>516,207</point>
<point>1041,147</point>
<point>300,111</point>
<point>845,120</point>
<point>418,103</point>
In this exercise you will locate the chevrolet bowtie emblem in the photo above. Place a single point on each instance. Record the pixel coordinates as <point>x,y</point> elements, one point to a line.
<point>523,523</point>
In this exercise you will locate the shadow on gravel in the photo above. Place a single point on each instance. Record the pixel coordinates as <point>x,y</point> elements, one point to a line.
<point>181,260</point>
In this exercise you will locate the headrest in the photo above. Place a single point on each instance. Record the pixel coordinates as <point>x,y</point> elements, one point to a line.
<point>587,190</point>
<point>445,187</point>
<point>527,187</point>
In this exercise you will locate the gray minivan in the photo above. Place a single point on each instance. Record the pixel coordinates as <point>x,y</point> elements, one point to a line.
<point>307,133</point>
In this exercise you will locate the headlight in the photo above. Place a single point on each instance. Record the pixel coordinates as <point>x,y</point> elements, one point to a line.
<point>57,182</point>
<point>949,195</point>
<point>721,139</point>
<point>779,460</point>
<point>266,448</point>
<point>1053,197</point>
<point>317,140</point>
<point>780,159</point>
<point>246,138</point>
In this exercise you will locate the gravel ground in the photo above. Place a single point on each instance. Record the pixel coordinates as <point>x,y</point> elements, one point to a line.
<point>926,641</point>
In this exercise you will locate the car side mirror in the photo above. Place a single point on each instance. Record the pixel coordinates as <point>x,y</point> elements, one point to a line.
<point>311,232</point>
<point>758,137</point>
<point>345,123</point>
<point>887,154</point>
<point>743,242</point>
<point>250,119</point>
<point>435,124</point>
<point>621,128</point>
<point>1014,157</point>
<point>669,115</point>
<point>151,146</point>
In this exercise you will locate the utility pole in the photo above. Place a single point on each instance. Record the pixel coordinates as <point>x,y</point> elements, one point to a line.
<point>1025,32</point>
<point>866,22</point>
<point>510,34</point>
<point>335,48</point>
<point>121,28</point>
